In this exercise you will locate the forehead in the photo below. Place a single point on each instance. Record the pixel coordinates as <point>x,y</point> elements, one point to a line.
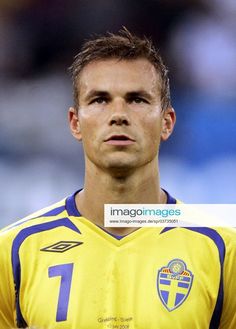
<point>122,75</point>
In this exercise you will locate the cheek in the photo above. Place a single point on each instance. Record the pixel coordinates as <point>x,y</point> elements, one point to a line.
<point>88,126</point>
<point>152,129</point>
<point>91,121</point>
<point>91,135</point>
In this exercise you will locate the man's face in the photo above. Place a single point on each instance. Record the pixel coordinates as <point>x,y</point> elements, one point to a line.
<point>120,119</point>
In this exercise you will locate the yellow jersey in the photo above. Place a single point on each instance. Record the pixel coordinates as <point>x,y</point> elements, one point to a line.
<point>58,270</point>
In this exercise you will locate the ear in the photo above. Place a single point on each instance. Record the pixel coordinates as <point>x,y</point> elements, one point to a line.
<point>168,122</point>
<point>74,123</point>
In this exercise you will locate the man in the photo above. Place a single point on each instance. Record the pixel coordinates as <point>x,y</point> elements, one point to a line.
<point>60,268</point>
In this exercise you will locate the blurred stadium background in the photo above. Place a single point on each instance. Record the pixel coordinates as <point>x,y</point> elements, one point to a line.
<point>40,162</point>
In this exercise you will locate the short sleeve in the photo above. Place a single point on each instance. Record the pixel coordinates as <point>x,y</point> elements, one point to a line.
<point>228,318</point>
<point>7,291</point>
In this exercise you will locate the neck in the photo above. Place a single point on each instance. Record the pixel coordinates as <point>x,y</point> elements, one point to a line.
<point>103,187</point>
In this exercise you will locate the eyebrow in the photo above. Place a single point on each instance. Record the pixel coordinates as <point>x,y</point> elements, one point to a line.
<point>96,93</point>
<point>139,93</point>
<point>131,94</point>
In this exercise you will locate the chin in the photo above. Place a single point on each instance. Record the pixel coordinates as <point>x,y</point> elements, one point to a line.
<point>120,169</point>
<point>120,163</point>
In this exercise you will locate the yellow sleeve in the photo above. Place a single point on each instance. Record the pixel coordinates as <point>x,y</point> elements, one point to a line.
<point>7,291</point>
<point>228,318</point>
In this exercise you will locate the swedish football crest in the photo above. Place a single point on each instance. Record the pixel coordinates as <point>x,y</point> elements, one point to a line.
<point>174,282</point>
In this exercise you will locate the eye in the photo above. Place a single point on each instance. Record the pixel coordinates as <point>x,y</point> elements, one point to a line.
<point>98,100</point>
<point>138,100</point>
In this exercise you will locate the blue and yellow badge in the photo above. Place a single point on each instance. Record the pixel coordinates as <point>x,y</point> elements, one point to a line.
<point>174,283</point>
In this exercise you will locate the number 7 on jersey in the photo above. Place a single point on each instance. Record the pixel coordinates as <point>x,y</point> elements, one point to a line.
<point>65,272</point>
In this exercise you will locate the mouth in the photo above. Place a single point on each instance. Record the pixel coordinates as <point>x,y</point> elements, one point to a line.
<point>119,140</point>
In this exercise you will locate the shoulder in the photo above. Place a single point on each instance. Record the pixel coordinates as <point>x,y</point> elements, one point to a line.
<point>228,235</point>
<point>224,239</point>
<point>228,320</point>
<point>224,236</point>
<point>45,215</point>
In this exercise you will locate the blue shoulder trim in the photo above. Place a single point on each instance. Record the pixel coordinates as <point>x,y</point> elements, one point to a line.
<point>52,212</point>
<point>16,266</point>
<point>219,242</point>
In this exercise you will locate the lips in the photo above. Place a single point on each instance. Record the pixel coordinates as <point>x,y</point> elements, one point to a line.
<point>119,137</point>
<point>119,140</point>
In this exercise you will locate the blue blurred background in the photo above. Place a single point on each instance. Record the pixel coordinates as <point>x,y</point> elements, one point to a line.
<point>40,162</point>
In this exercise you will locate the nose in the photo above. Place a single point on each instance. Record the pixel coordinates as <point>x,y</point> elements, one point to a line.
<point>119,114</point>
